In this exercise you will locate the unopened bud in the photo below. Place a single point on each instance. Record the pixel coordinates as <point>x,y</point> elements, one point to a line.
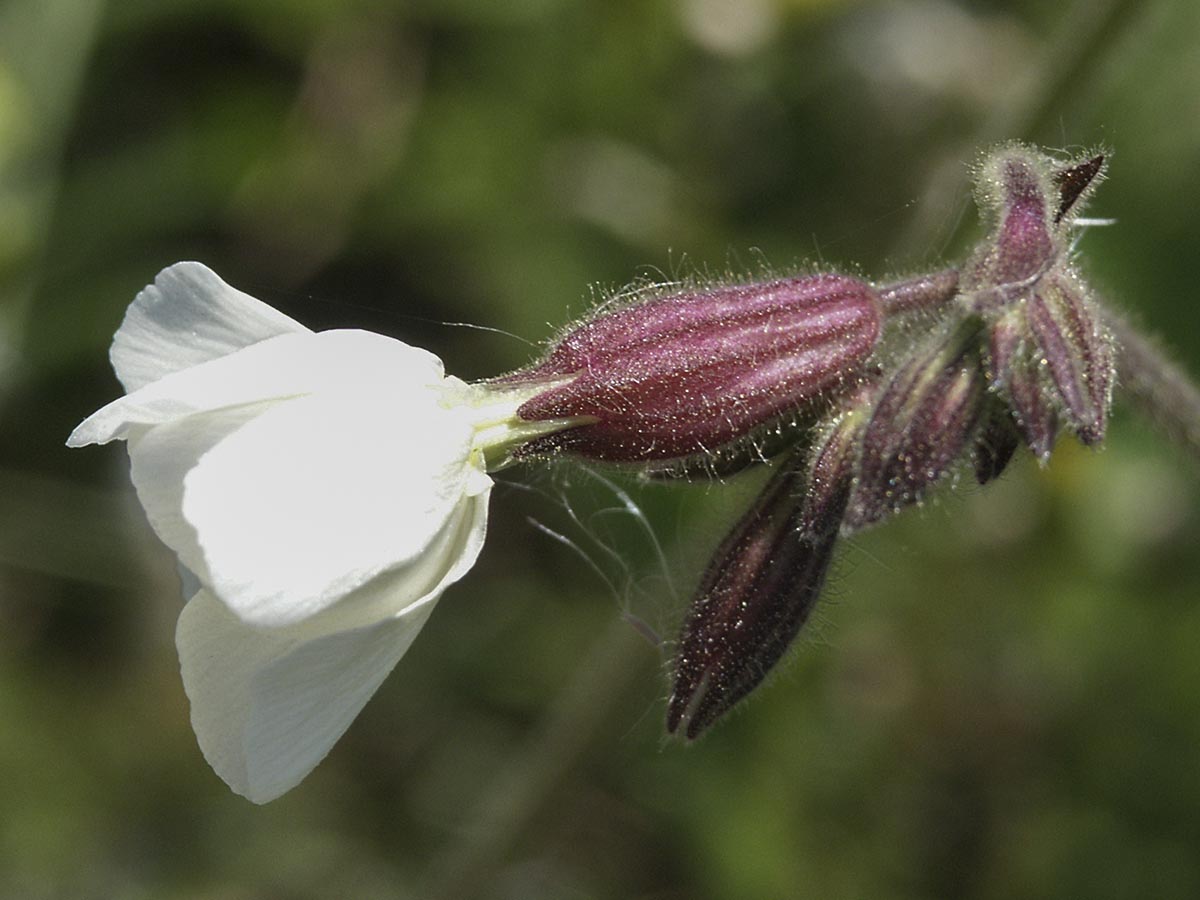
<point>1016,188</point>
<point>1005,341</point>
<point>1015,373</point>
<point>920,426</point>
<point>1077,350</point>
<point>764,581</point>
<point>691,372</point>
<point>1047,351</point>
<point>1035,412</point>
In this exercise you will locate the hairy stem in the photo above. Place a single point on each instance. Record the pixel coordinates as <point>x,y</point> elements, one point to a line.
<point>1160,389</point>
<point>925,292</point>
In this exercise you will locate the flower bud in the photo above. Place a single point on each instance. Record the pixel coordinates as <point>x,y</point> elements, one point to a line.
<point>1077,350</point>
<point>1048,352</point>
<point>921,424</point>
<point>1014,373</point>
<point>1004,343</point>
<point>763,582</point>
<point>1034,409</point>
<point>1015,186</point>
<point>691,372</point>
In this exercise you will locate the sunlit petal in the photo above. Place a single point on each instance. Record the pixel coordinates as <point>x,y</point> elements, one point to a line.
<point>160,459</point>
<point>317,495</point>
<point>285,366</point>
<point>187,317</point>
<point>268,704</point>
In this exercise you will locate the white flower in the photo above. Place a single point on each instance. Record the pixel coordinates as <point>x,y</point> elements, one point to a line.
<point>321,490</point>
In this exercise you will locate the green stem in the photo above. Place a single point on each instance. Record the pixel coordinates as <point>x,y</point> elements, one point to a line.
<point>1160,389</point>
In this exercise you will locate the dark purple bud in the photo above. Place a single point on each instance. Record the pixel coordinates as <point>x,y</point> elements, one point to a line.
<point>1005,340</point>
<point>1074,181</point>
<point>997,442</point>
<point>691,372</point>
<point>1077,351</point>
<point>1016,187</point>
<point>1013,371</point>
<point>920,426</point>
<point>1033,408</point>
<point>763,582</point>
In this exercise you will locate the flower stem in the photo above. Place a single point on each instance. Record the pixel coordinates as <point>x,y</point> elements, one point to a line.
<point>925,292</point>
<point>1159,388</point>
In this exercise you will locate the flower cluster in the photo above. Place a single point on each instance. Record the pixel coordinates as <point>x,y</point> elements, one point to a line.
<point>321,490</point>
<point>1018,349</point>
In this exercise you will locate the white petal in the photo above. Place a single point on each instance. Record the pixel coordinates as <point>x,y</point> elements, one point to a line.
<point>318,495</point>
<point>160,458</point>
<point>285,366</point>
<point>187,317</point>
<point>267,705</point>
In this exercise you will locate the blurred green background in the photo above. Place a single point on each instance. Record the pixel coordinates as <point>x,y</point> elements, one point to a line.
<point>1001,697</point>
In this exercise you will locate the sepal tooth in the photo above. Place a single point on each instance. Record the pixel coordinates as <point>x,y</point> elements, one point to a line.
<point>690,373</point>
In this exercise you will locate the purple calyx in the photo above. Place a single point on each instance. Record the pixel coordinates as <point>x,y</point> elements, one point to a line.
<point>691,372</point>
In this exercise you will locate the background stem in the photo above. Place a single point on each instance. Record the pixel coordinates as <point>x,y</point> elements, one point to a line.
<point>1159,389</point>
